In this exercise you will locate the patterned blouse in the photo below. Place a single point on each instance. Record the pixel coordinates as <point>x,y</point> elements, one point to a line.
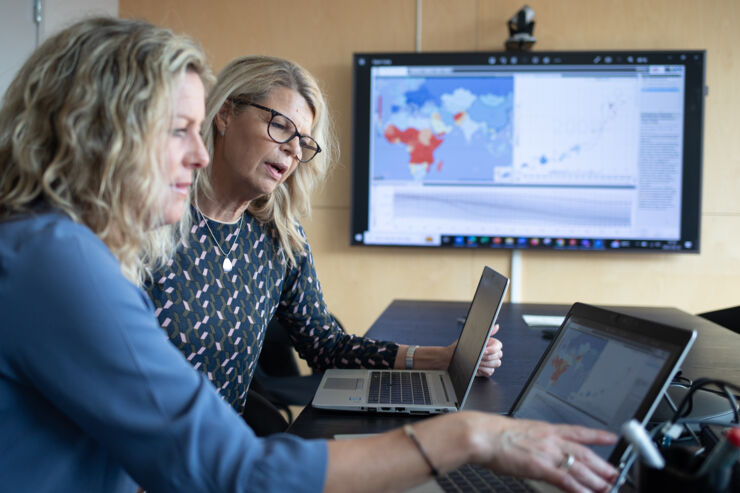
<point>218,318</point>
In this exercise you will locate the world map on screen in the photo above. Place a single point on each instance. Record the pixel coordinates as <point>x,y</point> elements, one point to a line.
<point>442,129</point>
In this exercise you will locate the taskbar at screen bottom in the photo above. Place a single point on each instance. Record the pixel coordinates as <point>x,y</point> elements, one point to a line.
<point>411,239</point>
<point>562,243</point>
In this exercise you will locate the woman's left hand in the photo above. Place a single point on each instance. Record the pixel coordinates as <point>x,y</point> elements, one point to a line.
<point>492,355</point>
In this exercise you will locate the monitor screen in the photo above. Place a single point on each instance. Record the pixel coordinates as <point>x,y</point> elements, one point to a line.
<point>545,150</point>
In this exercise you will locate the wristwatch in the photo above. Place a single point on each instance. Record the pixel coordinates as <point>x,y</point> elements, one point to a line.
<point>410,357</point>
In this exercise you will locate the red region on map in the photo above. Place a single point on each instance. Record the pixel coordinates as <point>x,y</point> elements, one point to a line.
<point>560,366</point>
<point>420,143</point>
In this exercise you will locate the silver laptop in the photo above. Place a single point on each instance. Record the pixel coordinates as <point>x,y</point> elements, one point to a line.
<point>425,391</point>
<point>602,369</point>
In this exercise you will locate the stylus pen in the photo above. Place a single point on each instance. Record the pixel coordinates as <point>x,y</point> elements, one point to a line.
<point>635,434</point>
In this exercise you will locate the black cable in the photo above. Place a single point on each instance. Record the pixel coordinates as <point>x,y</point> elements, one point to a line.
<point>679,418</point>
<point>733,402</point>
<point>700,383</point>
<point>681,380</point>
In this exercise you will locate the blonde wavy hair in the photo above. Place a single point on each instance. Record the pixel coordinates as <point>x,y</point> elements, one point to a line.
<point>253,78</point>
<point>83,128</point>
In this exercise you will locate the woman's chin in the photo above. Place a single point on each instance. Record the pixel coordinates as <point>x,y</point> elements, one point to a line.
<point>173,210</point>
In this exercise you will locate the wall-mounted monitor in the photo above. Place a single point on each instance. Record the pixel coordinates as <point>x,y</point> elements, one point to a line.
<point>541,150</point>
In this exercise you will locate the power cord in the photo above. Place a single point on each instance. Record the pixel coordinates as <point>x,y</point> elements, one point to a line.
<point>684,408</point>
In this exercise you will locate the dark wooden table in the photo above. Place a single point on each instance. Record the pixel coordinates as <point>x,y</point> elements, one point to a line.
<point>716,354</point>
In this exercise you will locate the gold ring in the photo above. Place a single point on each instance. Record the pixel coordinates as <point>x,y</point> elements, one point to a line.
<point>567,462</point>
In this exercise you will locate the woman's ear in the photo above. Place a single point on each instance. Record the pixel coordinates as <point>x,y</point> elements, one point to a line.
<point>222,118</point>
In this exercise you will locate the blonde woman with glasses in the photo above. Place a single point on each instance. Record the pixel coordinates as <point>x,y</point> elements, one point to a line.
<point>99,138</point>
<point>246,259</point>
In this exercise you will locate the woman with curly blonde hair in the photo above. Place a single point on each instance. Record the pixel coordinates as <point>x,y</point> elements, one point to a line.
<point>246,260</point>
<point>99,140</point>
<point>68,109</point>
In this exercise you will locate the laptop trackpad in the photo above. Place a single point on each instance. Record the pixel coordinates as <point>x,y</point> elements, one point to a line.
<point>339,383</point>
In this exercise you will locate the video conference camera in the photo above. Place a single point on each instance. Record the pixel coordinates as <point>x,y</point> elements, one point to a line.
<point>521,28</point>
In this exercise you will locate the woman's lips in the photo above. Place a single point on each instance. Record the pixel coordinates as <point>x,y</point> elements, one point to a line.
<point>277,170</point>
<point>181,188</point>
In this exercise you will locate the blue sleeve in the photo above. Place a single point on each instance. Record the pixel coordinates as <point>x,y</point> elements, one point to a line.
<point>90,343</point>
<point>314,332</point>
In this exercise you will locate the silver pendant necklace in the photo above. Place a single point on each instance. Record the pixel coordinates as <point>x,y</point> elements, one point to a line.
<point>227,263</point>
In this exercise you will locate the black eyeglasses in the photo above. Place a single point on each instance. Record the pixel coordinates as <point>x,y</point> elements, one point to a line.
<point>281,129</point>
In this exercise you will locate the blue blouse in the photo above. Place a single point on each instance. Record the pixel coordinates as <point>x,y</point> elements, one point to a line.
<point>93,397</point>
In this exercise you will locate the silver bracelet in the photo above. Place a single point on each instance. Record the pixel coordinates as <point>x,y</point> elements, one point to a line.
<point>410,357</point>
<point>409,430</point>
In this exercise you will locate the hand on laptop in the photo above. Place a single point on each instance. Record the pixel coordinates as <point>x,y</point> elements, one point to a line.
<point>438,357</point>
<point>492,355</point>
<point>553,453</point>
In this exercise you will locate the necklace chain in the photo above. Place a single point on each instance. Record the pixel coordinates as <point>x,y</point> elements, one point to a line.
<point>227,261</point>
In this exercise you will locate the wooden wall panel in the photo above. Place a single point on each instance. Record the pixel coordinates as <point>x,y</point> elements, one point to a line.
<point>449,26</point>
<point>360,282</point>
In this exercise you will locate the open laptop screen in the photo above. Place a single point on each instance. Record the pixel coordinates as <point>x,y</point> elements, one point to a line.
<point>601,370</point>
<point>478,324</point>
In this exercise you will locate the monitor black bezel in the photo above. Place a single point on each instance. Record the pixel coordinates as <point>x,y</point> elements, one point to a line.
<point>692,151</point>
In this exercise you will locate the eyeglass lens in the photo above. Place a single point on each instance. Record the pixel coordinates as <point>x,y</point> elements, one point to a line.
<point>281,130</point>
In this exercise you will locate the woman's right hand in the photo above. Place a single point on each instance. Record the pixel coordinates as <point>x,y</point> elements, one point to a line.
<point>539,450</point>
<point>513,447</point>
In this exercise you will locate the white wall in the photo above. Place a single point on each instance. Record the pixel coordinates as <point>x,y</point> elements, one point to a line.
<point>58,14</point>
<point>17,37</point>
<point>19,33</point>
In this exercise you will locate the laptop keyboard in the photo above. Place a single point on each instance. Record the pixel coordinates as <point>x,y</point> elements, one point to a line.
<point>398,387</point>
<point>470,478</point>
